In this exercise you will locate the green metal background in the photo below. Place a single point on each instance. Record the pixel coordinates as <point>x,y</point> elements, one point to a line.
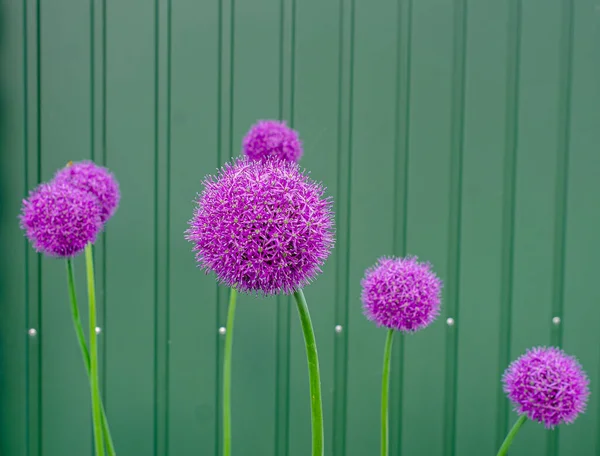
<point>463,131</point>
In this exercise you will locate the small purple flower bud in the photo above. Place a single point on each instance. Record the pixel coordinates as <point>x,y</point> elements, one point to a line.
<point>272,139</point>
<point>547,385</point>
<point>401,294</point>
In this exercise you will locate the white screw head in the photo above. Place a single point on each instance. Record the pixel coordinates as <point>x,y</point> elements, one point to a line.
<point>450,321</point>
<point>556,321</point>
<point>32,332</point>
<point>338,328</point>
<point>98,329</point>
<point>222,330</point>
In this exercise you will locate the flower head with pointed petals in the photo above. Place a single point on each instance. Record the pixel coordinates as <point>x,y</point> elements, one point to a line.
<point>272,139</point>
<point>97,180</point>
<point>60,219</point>
<point>547,385</point>
<point>262,226</point>
<point>401,294</point>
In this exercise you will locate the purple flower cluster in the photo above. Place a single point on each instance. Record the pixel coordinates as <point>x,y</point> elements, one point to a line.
<point>401,294</point>
<point>272,139</point>
<point>547,385</point>
<point>97,180</point>
<point>60,220</point>
<point>262,226</point>
<point>61,217</point>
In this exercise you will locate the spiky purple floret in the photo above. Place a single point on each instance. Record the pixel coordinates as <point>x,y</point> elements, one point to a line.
<point>401,294</point>
<point>60,219</point>
<point>547,385</point>
<point>272,139</point>
<point>262,226</point>
<point>95,179</point>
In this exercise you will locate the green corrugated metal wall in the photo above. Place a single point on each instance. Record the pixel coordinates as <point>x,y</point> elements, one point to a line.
<point>463,131</point>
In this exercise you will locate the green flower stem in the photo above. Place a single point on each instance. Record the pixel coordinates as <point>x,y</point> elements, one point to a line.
<point>227,374</point>
<point>511,435</point>
<point>316,403</point>
<point>385,388</point>
<point>84,349</point>
<point>94,383</point>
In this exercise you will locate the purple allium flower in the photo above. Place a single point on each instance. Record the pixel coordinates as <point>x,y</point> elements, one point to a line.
<point>401,294</point>
<point>60,219</point>
<point>95,179</point>
<point>547,385</point>
<point>262,226</point>
<point>272,139</point>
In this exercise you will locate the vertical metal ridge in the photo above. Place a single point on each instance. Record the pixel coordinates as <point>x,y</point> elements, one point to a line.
<point>226,15</point>
<point>293,61</point>
<point>508,210</point>
<point>97,154</point>
<point>38,259</point>
<point>454,232</point>
<point>231,73</point>
<point>344,159</point>
<point>162,113</point>
<point>562,185</point>
<point>401,157</point>
<point>156,398</point>
<point>283,320</point>
<point>27,264</point>
<point>92,81</point>
<point>25,190</point>
<point>282,43</point>
<point>102,142</point>
<point>38,56</point>
<point>167,341</point>
<point>103,39</point>
<point>33,264</point>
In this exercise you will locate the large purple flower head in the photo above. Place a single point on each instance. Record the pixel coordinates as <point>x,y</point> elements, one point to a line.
<point>97,180</point>
<point>262,226</point>
<point>547,385</point>
<point>272,139</point>
<point>60,219</point>
<point>401,294</point>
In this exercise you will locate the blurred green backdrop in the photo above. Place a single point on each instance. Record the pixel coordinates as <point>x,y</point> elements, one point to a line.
<point>465,132</point>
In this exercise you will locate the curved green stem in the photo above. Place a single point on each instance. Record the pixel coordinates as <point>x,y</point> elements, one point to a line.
<point>511,435</point>
<point>84,349</point>
<point>316,403</point>
<point>227,374</point>
<point>385,388</point>
<point>94,383</point>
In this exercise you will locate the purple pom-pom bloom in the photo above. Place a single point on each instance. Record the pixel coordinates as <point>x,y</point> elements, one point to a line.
<point>401,294</point>
<point>60,219</point>
<point>547,385</point>
<point>272,139</point>
<point>97,180</point>
<point>262,226</point>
